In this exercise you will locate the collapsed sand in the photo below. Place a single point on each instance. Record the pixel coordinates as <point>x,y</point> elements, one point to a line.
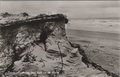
<point>39,44</point>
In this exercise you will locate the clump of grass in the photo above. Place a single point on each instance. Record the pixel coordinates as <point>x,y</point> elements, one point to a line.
<point>102,46</point>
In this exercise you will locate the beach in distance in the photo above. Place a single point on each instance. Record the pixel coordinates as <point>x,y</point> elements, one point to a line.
<point>100,38</point>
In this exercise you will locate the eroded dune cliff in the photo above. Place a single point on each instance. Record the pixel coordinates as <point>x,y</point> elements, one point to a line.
<point>39,44</point>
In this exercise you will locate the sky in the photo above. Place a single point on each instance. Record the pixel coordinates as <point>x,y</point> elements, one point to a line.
<point>73,9</point>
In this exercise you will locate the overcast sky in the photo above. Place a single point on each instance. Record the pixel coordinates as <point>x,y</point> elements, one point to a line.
<point>73,9</point>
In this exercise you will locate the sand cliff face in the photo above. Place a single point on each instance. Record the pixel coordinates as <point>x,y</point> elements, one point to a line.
<point>35,44</point>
